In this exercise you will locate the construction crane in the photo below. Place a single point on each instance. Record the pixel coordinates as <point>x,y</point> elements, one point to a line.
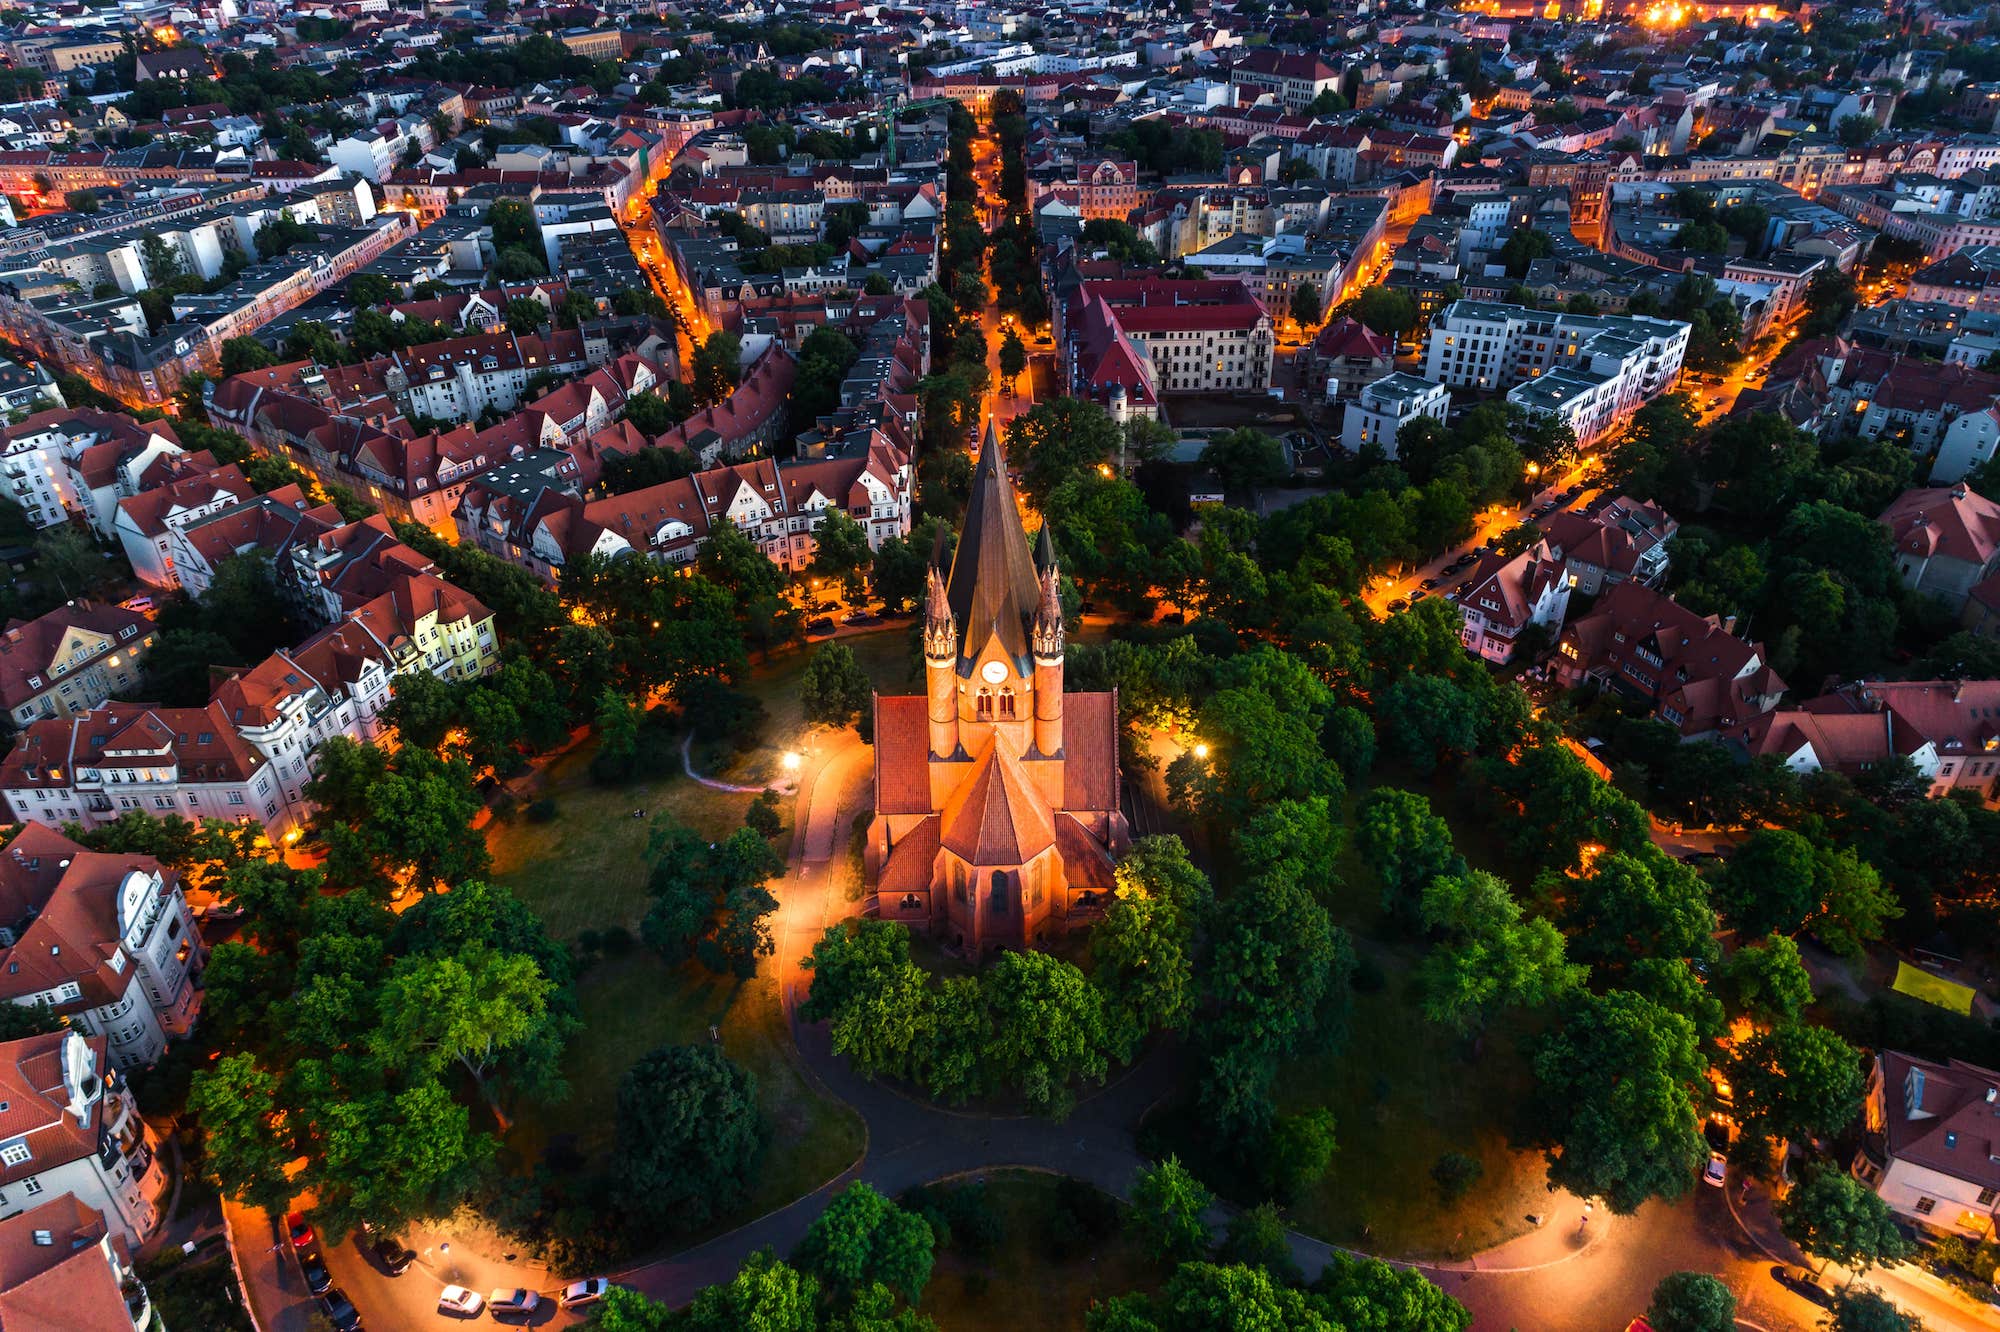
<point>897,108</point>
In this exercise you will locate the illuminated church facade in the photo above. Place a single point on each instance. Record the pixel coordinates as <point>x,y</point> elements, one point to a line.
<point>997,800</point>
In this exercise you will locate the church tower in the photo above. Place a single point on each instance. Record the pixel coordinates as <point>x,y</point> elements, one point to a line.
<point>997,807</point>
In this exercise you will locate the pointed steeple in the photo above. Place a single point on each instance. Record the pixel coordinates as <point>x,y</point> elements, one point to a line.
<point>1048,635</point>
<point>940,630</point>
<point>993,587</point>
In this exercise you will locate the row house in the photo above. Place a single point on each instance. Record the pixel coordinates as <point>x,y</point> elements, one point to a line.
<point>1505,595</point>
<point>62,1255</point>
<point>1927,1147</point>
<point>52,465</point>
<point>104,940</point>
<point>1946,541</point>
<point>272,522</point>
<point>145,523</point>
<point>1193,336</point>
<point>72,1129</point>
<point>1949,730</point>
<point>1697,674</point>
<point>70,660</point>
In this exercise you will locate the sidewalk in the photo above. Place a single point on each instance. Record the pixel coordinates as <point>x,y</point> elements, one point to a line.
<point>1938,1302</point>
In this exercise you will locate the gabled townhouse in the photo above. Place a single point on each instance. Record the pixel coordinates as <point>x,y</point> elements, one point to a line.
<point>145,523</point>
<point>61,1266</point>
<point>1928,1145</point>
<point>72,1128</point>
<point>272,522</point>
<point>105,940</point>
<point>1698,675</point>
<point>1505,595</point>
<point>37,453</point>
<point>70,660</point>
<point>1949,730</point>
<point>1619,541</point>
<point>1946,541</point>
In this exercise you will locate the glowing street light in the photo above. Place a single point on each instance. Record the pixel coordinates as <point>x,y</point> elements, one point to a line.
<point>791,760</point>
<point>1200,751</point>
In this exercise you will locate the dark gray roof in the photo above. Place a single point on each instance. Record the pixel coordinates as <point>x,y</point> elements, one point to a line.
<point>993,589</point>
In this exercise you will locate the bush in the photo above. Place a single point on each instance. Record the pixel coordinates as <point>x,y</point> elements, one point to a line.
<point>1455,1173</point>
<point>543,810</point>
<point>616,941</point>
<point>588,941</point>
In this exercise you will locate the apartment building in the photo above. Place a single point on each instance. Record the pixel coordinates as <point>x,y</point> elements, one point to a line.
<point>1590,371</point>
<point>1384,407</point>
<point>61,1266</point>
<point>145,524</point>
<point>70,660</point>
<point>1699,675</point>
<point>1187,335</point>
<point>1506,595</point>
<point>71,1127</point>
<point>106,940</point>
<point>1949,729</point>
<point>1295,78</point>
<point>1927,1147</point>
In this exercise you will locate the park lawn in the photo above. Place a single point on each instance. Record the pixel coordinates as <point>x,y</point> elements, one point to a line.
<point>586,868</point>
<point>636,1003</point>
<point>1019,1285</point>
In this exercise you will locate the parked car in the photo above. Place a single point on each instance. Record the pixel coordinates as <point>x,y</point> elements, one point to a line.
<point>460,1301</point>
<point>395,1259</point>
<point>1398,606</point>
<point>507,1303</point>
<point>821,627</point>
<point>1800,1282</point>
<point>860,617</point>
<point>299,1229</point>
<point>1418,595</point>
<point>318,1279</point>
<point>582,1294</point>
<point>1717,1170</point>
<point>1428,584</point>
<point>340,1311</point>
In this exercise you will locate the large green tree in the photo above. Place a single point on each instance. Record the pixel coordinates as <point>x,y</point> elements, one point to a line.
<point>690,1137</point>
<point>1834,1216</point>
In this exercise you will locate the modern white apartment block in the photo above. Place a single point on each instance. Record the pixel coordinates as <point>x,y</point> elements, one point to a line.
<point>1388,404</point>
<point>1600,368</point>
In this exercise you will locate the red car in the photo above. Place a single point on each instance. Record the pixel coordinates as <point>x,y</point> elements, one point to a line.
<point>300,1231</point>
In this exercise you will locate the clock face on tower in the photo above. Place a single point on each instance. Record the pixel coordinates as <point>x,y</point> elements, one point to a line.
<point>994,672</point>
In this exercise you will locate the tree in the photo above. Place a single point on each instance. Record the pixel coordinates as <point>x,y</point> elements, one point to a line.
<point>1407,845</point>
<point>835,689</point>
<point>1057,440</point>
<point>1523,247</point>
<point>690,1137</point>
<point>1141,952</point>
<point>82,201</point>
<point>1863,1309</point>
<point>1454,1174</point>
<point>1245,459</point>
<point>1856,130</point>
<point>1167,1208</point>
<point>1489,956</point>
<point>765,1295</point>
<point>841,553</point>
<point>1306,307</point>
<point>1047,1028</point>
<point>1766,981</point>
<point>243,353</point>
<point>717,367</point>
<point>1013,358</point>
<point>1691,1302</point>
<point>525,314</point>
<point>863,1239</point>
<point>243,1149</point>
<point>1797,1081</point>
<point>1615,1082</point>
<point>470,1007</point>
<point>1369,1295</point>
<point>402,819</point>
<point>1835,1217</point>
<point>66,557</point>
<point>1634,906</point>
<point>1387,311</point>
<point>1767,885</point>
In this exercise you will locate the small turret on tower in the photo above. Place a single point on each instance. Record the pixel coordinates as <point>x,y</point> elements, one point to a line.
<point>1047,643</point>
<point>940,665</point>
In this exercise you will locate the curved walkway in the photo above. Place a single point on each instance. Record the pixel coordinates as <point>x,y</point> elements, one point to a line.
<point>713,784</point>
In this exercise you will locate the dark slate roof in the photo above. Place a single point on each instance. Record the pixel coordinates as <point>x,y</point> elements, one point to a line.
<point>993,589</point>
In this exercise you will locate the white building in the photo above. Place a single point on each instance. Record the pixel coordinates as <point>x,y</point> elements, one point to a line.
<point>1613,364</point>
<point>1385,406</point>
<point>71,1127</point>
<point>105,940</point>
<point>1928,1148</point>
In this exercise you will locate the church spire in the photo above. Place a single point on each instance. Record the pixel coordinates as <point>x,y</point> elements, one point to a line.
<point>1048,635</point>
<point>993,589</point>
<point>940,632</point>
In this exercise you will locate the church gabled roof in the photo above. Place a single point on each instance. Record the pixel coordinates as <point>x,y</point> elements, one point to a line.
<point>996,816</point>
<point>993,588</point>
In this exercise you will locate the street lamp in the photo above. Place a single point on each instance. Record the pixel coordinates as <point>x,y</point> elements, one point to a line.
<point>791,760</point>
<point>1200,750</point>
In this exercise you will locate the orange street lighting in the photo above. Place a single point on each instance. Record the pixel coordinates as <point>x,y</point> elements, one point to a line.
<point>791,760</point>
<point>1201,751</point>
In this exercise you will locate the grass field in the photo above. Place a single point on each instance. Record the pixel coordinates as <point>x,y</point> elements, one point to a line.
<point>888,657</point>
<point>586,870</point>
<point>1022,1283</point>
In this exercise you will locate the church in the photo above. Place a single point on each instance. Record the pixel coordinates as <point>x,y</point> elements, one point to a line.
<point>997,817</point>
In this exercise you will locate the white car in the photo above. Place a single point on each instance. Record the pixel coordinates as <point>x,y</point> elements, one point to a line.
<point>520,1300</point>
<point>582,1294</point>
<point>458,1300</point>
<point>1717,1170</point>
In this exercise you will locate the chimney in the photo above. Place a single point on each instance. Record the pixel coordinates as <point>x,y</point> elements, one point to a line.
<point>1729,624</point>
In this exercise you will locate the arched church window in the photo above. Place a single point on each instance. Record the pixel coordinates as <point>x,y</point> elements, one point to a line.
<point>982,706</point>
<point>997,898</point>
<point>1007,703</point>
